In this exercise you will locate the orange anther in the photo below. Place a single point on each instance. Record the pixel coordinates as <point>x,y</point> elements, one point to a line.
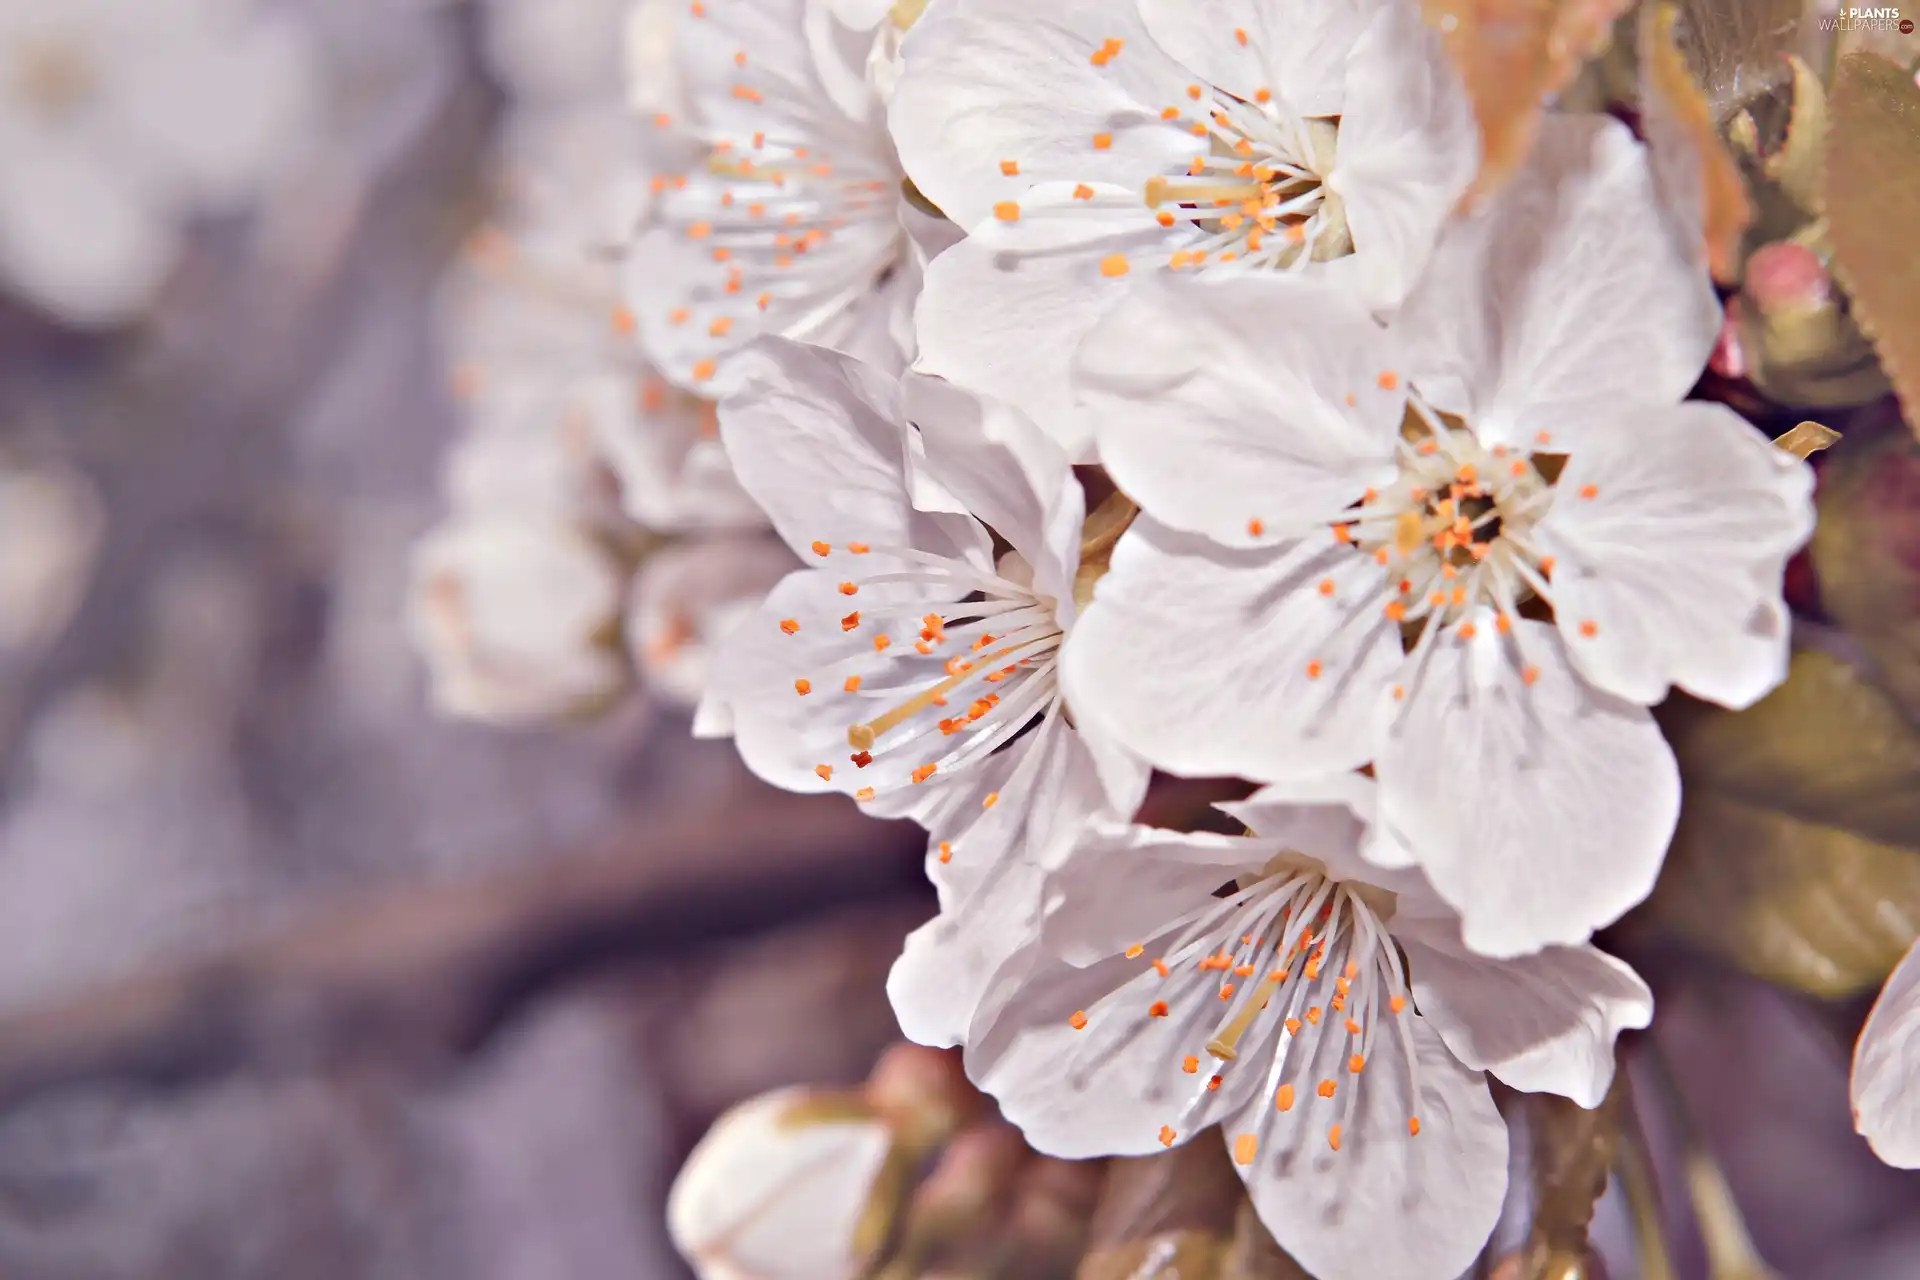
<point>704,370</point>
<point>924,772</point>
<point>1082,192</point>
<point>1353,1028</point>
<point>1314,669</point>
<point>864,794</point>
<point>1293,1026</point>
<point>1167,1135</point>
<point>1398,1004</point>
<point>803,687</point>
<point>1240,34</point>
<point>1283,1098</point>
<point>1313,1015</point>
<point>720,327</point>
<point>699,230</point>
<point>1589,628</point>
<point>1213,1084</point>
<point>1191,1066</point>
<point>881,643</point>
<point>1529,675</point>
<point>1193,91</point>
<point>993,798</point>
<point>1243,971</point>
<point>1011,168</point>
<point>1468,631</point>
<point>1263,96</point>
<point>1544,437</point>
<point>1255,527</point>
<point>1245,1147</point>
<point>1356,1064</point>
<point>1333,1137</point>
<point>1326,586</point>
<point>1388,380</point>
<point>851,621</point>
<point>852,685</point>
<point>1160,967</point>
<point>1114,265</point>
<point>1396,610</point>
<point>1170,113</point>
<point>1327,1088</point>
<point>946,851</point>
<point>1503,623</point>
<point>1413,1126</point>
<point>822,548</point>
<point>849,589</point>
<point>790,625</point>
<point>1007,211</point>
<point>1078,1021</point>
<point>1103,142</point>
<point>825,771</point>
<point>1546,566</point>
<point>1158,1009</point>
<point>1589,491</point>
<point>1226,992</point>
<point>862,759</point>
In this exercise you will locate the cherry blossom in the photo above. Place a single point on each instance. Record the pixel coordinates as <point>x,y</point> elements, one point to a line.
<point>1468,548</point>
<point>1087,146</point>
<point>1324,1013</point>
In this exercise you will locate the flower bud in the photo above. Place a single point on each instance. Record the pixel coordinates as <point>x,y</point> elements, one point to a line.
<point>923,1092</point>
<point>792,1185</point>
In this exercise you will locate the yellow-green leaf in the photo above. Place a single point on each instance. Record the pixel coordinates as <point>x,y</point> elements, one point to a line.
<point>1798,852</point>
<point>1870,190</point>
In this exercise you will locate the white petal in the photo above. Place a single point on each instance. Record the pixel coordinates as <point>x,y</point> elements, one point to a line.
<point>990,82</point>
<point>1224,402</point>
<point>1677,558</point>
<point>1005,309</point>
<point>1388,1205</point>
<point>1333,818</point>
<point>1542,811</point>
<point>1207,661</point>
<point>1408,149</point>
<point>815,438</point>
<point>1006,472</point>
<point>1109,1088</point>
<point>1097,914</point>
<point>1545,1023</point>
<point>1886,1069</point>
<point>1297,49</point>
<point>948,963</point>
<point>1565,299</point>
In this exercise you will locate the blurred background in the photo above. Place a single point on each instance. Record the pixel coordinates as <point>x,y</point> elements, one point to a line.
<point>299,978</point>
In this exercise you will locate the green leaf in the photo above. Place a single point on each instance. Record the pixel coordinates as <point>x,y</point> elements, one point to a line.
<point>1798,852</point>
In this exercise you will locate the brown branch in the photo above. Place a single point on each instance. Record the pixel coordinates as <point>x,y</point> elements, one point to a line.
<point>414,974</point>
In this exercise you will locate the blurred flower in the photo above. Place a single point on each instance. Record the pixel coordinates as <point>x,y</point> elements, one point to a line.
<point>1039,129</point>
<point>518,619</point>
<point>779,1189</point>
<point>1886,1069</point>
<point>51,524</point>
<point>120,120</point>
<point>791,221</point>
<point>688,598</point>
<point>1324,1012</point>
<point>912,669</point>
<point>1353,529</point>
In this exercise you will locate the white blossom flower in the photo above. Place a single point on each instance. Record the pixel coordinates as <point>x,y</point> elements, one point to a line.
<point>777,1192</point>
<point>1353,532</point>
<point>121,120</point>
<point>1088,145</point>
<point>518,619</point>
<point>908,666</point>
<point>1323,1012</point>
<point>793,223</point>
<point>1886,1069</point>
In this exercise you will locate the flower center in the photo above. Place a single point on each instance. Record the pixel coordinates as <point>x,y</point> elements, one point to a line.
<point>1307,955</point>
<point>1257,195</point>
<point>1456,524</point>
<point>913,714</point>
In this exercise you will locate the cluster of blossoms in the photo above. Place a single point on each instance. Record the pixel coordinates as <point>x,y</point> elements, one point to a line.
<point>1136,394</point>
